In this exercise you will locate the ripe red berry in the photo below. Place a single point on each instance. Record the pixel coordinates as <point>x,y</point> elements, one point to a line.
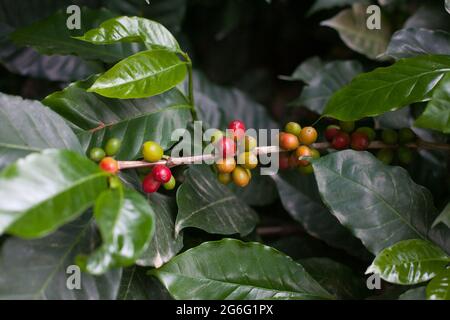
<point>360,141</point>
<point>226,147</point>
<point>110,165</point>
<point>341,141</point>
<point>237,128</point>
<point>150,184</point>
<point>161,173</point>
<point>331,131</point>
<point>283,161</point>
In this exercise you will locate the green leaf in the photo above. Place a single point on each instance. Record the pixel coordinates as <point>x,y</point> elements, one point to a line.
<point>414,294</point>
<point>205,203</point>
<point>429,16</point>
<point>336,278</point>
<point>27,126</point>
<point>409,262</point>
<point>444,217</point>
<point>439,287</point>
<point>142,75</point>
<point>125,220</point>
<point>380,204</point>
<point>352,27</point>
<point>165,244</point>
<point>306,71</point>
<point>329,4</point>
<point>137,285</point>
<point>46,190</point>
<point>300,197</point>
<point>132,29</point>
<point>264,273</point>
<point>38,269</point>
<point>386,89</point>
<point>55,38</point>
<point>437,113</point>
<point>327,80</point>
<point>413,42</point>
<point>96,119</point>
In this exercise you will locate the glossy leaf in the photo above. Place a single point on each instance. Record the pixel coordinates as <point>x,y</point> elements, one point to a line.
<point>439,287</point>
<point>165,244</point>
<point>46,190</point>
<point>126,223</point>
<point>39,269</point>
<point>413,294</point>
<point>333,76</point>
<point>413,42</point>
<point>206,204</point>
<point>386,89</point>
<point>444,217</point>
<point>306,71</point>
<point>132,29</point>
<point>437,113</point>
<point>264,273</point>
<point>352,27</point>
<point>380,204</point>
<point>142,75</point>
<point>300,197</point>
<point>27,126</point>
<point>96,118</point>
<point>53,37</point>
<point>429,16</point>
<point>409,262</point>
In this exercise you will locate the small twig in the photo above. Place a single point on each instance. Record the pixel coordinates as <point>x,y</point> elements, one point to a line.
<point>279,231</point>
<point>173,162</point>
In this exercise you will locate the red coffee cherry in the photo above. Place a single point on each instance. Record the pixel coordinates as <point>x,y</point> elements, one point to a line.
<point>341,141</point>
<point>110,165</point>
<point>150,184</point>
<point>288,141</point>
<point>283,161</point>
<point>161,173</point>
<point>360,141</point>
<point>226,147</point>
<point>237,128</point>
<point>331,131</point>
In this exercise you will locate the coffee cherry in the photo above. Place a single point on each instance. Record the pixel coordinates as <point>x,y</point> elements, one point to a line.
<point>293,127</point>
<point>224,178</point>
<point>240,176</point>
<point>283,161</point>
<point>226,165</point>
<point>306,170</point>
<point>161,173</point>
<point>237,128</point>
<point>389,136</point>
<point>406,135</point>
<point>97,154</point>
<point>331,131</point>
<point>250,143</point>
<point>404,155</point>
<point>303,151</point>
<point>308,135</point>
<point>341,141</point>
<point>170,185</point>
<point>248,160</point>
<point>288,141</point>
<point>315,153</point>
<point>152,151</point>
<point>216,136</point>
<point>359,141</point>
<point>150,185</point>
<point>369,132</point>
<point>114,182</point>
<point>293,161</point>
<point>112,146</point>
<point>110,165</point>
<point>226,147</point>
<point>347,126</point>
<point>385,155</point>
<point>249,173</point>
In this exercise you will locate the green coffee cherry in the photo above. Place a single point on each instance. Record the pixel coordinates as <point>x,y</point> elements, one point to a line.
<point>369,132</point>
<point>406,135</point>
<point>404,155</point>
<point>306,170</point>
<point>112,146</point>
<point>347,126</point>
<point>389,136</point>
<point>385,155</point>
<point>293,127</point>
<point>216,136</point>
<point>97,154</point>
<point>250,143</point>
<point>152,151</point>
<point>170,185</point>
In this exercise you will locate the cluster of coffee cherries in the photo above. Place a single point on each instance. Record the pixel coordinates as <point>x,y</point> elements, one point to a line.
<point>159,174</point>
<point>346,135</point>
<point>105,156</point>
<point>296,142</point>
<point>234,153</point>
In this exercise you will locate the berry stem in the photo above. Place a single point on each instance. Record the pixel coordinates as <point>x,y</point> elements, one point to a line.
<point>173,162</point>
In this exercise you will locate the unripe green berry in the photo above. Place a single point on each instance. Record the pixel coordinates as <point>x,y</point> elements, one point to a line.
<point>347,126</point>
<point>369,132</point>
<point>248,160</point>
<point>216,136</point>
<point>406,135</point>
<point>224,178</point>
<point>112,146</point>
<point>171,184</point>
<point>293,127</point>
<point>404,155</point>
<point>250,143</point>
<point>385,155</point>
<point>306,170</point>
<point>152,151</point>
<point>97,154</point>
<point>389,136</point>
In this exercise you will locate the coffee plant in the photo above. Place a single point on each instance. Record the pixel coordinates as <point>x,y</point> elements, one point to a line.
<point>127,174</point>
